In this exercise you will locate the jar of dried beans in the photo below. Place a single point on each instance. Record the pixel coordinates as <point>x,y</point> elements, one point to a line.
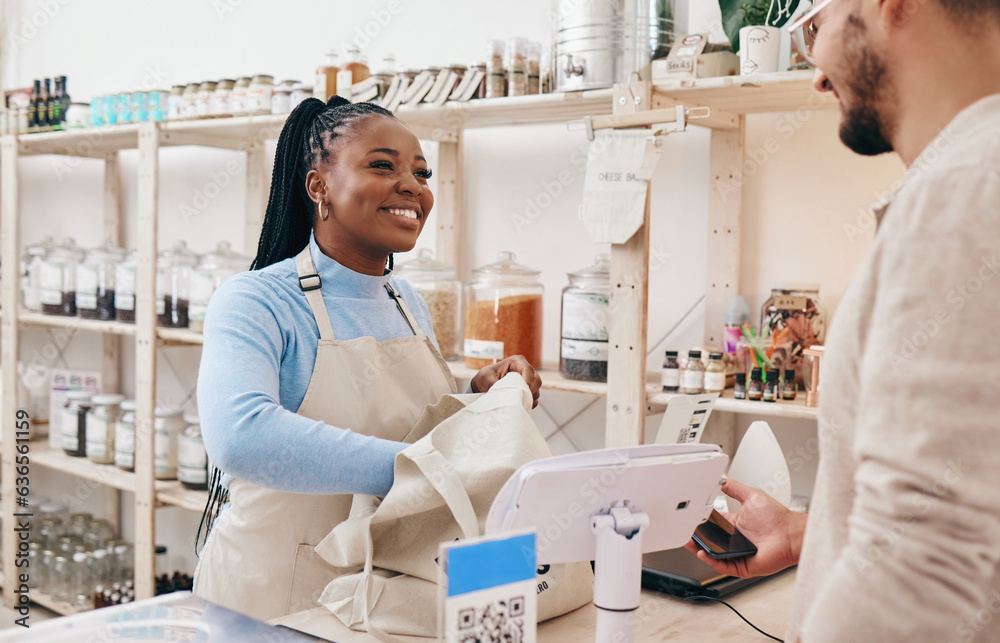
<point>437,284</point>
<point>57,279</point>
<point>583,349</point>
<point>95,283</point>
<point>173,285</point>
<point>503,314</point>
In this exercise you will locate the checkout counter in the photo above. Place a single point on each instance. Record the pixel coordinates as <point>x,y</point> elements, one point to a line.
<point>660,618</point>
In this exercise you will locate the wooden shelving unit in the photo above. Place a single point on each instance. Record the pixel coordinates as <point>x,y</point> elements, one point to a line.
<point>729,99</point>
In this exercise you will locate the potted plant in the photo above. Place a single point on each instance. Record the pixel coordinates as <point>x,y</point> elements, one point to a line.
<point>754,30</point>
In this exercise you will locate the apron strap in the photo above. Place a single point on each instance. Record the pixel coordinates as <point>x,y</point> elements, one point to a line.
<point>310,283</point>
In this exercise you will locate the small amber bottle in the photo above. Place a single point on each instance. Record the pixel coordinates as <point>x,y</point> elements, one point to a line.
<point>790,388</point>
<point>740,389</point>
<point>755,390</point>
<point>772,390</point>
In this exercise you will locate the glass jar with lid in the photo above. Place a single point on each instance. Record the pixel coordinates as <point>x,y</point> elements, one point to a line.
<point>221,103</point>
<point>173,284</point>
<point>61,580</point>
<point>99,532</point>
<point>583,349</point>
<point>101,427</point>
<point>792,320</point>
<point>496,74</point>
<point>74,422</point>
<point>125,436</point>
<point>203,99</point>
<point>281,100</point>
<point>174,102</point>
<point>441,290</point>
<point>57,279</point>
<point>517,67</point>
<point>79,521</point>
<point>299,93</point>
<point>259,94</point>
<point>212,270</point>
<point>95,283</point>
<point>534,67</point>
<point>189,101</point>
<point>125,289</point>
<point>167,427</point>
<point>238,101</point>
<point>192,461</point>
<point>503,314</point>
<point>35,254</point>
<point>81,567</point>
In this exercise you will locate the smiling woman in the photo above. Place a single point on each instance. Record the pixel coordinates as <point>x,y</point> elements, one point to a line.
<point>318,361</point>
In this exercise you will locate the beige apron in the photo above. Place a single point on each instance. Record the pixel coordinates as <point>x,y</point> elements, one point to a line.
<point>260,558</point>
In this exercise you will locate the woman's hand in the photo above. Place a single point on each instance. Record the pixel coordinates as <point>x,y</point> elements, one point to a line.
<point>775,530</point>
<point>490,375</point>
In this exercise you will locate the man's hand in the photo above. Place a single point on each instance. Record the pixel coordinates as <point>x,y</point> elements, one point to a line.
<point>775,530</point>
<point>490,375</point>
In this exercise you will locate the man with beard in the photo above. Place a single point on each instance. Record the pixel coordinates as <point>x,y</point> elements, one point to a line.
<point>903,542</point>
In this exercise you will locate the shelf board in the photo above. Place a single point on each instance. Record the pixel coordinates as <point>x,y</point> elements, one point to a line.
<point>169,336</point>
<point>175,494</point>
<point>177,336</point>
<point>106,474</point>
<point>96,142</point>
<point>111,327</point>
<point>553,380</point>
<point>777,92</point>
<point>557,107</point>
<point>795,409</point>
<point>60,608</point>
<point>245,132</point>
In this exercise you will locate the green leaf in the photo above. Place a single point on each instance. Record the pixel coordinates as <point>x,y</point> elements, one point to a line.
<point>737,14</point>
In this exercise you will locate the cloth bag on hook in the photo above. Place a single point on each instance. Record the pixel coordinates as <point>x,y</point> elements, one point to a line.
<point>462,451</point>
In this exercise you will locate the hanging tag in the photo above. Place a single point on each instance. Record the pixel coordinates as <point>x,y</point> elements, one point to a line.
<point>620,164</point>
<point>486,589</point>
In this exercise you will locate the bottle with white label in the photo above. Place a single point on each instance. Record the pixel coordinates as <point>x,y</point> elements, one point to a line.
<point>583,353</point>
<point>715,374</point>
<point>74,423</point>
<point>693,378</point>
<point>95,283</point>
<point>353,71</point>
<point>125,289</point>
<point>125,437</point>
<point>326,77</point>
<point>671,378</point>
<point>101,428</point>
<point>167,427</point>
<point>192,461</point>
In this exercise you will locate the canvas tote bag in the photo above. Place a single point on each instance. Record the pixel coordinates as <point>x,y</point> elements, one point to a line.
<point>463,450</point>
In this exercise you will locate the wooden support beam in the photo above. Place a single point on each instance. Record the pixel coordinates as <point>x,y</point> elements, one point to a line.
<point>145,360</point>
<point>626,411</point>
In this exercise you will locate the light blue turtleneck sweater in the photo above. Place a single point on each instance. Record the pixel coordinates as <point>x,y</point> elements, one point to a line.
<point>259,351</point>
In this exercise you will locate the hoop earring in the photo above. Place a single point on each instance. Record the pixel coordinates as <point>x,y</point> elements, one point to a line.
<point>324,214</point>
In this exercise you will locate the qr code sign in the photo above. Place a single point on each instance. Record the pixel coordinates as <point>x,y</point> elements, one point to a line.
<point>504,614</point>
<point>499,622</point>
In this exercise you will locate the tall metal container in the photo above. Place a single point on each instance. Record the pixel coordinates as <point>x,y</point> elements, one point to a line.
<point>601,42</point>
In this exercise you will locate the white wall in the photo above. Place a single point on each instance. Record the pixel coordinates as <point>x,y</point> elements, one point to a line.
<point>798,199</point>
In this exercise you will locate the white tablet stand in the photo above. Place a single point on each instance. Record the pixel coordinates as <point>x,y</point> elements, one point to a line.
<point>612,506</point>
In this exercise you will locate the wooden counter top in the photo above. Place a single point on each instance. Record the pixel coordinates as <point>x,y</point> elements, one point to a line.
<point>660,618</point>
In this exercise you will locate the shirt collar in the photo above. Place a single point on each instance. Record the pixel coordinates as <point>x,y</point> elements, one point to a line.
<point>984,114</point>
<point>343,280</point>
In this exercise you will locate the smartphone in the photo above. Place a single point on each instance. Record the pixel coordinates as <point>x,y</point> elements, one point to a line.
<point>721,540</point>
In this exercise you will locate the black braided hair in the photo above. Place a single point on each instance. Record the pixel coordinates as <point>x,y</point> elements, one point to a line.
<point>304,144</point>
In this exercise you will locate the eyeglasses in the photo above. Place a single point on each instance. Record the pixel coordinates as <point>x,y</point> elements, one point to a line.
<point>804,30</point>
